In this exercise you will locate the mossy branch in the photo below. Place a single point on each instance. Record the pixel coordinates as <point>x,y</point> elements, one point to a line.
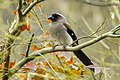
<point>15,30</point>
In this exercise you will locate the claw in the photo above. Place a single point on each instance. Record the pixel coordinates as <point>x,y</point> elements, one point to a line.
<point>64,47</point>
<point>55,46</point>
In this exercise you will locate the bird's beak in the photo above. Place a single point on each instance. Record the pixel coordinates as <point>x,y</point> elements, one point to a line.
<point>49,20</point>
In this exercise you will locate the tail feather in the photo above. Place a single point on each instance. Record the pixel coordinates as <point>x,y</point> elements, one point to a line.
<point>80,54</point>
<point>83,58</point>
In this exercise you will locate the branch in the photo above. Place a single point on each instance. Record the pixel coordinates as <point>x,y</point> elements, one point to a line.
<point>87,25</point>
<point>31,6</point>
<point>100,3</point>
<point>8,43</point>
<point>60,48</point>
<point>15,31</point>
<point>19,9</point>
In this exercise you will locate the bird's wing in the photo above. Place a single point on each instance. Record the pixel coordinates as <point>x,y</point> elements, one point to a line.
<point>70,32</point>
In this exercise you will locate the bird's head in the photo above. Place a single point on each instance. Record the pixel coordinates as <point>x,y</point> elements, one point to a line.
<point>56,17</point>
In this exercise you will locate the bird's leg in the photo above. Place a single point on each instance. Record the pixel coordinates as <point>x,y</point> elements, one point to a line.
<point>64,46</point>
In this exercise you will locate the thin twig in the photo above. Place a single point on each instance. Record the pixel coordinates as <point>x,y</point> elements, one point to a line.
<point>99,28</point>
<point>91,35</point>
<point>90,28</point>
<point>39,22</point>
<point>31,6</point>
<point>29,45</point>
<point>59,60</point>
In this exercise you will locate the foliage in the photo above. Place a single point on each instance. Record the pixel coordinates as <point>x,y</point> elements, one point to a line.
<point>60,65</point>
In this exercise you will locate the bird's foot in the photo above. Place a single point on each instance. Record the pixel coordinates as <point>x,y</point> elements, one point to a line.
<point>64,47</point>
<point>55,46</point>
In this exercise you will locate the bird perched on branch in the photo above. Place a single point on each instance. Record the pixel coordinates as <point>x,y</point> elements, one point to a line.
<point>61,30</point>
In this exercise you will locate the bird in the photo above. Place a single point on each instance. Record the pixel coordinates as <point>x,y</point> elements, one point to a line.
<point>61,30</point>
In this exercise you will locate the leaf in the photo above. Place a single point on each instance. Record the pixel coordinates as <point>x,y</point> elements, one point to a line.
<point>31,65</point>
<point>22,76</point>
<point>82,66</point>
<point>23,54</point>
<point>12,64</point>
<point>26,26</point>
<point>36,78</point>
<point>29,15</point>
<point>15,12</point>
<point>48,44</point>
<point>30,1</point>
<point>60,69</point>
<point>25,69</point>
<point>54,53</point>
<point>35,48</point>
<point>46,34</point>
<point>41,70</point>
<point>62,57</point>
<point>2,65</point>
<point>78,72</point>
<point>70,61</point>
<point>46,63</point>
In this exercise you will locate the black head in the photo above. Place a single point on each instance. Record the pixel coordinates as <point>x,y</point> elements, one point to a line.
<point>55,17</point>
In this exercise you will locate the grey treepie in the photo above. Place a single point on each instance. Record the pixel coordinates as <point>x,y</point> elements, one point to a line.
<point>61,30</point>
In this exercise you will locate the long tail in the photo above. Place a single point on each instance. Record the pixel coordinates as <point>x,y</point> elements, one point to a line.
<point>80,54</point>
<point>83,58</point>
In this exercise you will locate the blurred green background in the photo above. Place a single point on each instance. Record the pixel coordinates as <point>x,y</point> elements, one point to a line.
<point>85,20</point>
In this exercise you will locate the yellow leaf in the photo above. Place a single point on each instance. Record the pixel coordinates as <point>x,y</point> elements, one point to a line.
<point>22,76</point>
<point>35,48</point>
<point>47,44</point>
<point>29,15</point>
<point>41,70</point>
<point>2,65</point>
